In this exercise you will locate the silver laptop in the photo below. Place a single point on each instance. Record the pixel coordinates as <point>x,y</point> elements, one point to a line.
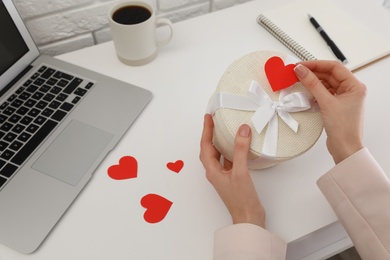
<point>57,123</point>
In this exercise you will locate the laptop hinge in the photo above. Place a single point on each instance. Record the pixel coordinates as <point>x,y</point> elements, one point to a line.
<point>21,74</point>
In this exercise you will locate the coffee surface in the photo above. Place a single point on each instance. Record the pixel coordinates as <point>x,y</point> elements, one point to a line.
<point>131,15</point>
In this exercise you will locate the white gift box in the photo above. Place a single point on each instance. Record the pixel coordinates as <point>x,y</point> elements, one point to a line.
<point>285,123</point>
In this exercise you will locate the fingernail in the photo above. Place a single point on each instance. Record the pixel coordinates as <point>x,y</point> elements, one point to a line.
<point>300,70</point>
<point>244,130</point>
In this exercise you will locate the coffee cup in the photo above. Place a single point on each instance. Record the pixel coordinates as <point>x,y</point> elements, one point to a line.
<point>133,28</point>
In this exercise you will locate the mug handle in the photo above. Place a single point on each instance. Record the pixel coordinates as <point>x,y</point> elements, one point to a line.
<point>161,22</point>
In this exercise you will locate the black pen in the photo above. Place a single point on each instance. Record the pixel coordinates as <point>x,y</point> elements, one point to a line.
<point>328,40</point>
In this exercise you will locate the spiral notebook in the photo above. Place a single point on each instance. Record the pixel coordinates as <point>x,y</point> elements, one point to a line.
<point>291,26</point>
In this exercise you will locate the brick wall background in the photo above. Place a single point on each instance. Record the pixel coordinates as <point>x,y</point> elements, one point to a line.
<point>60,26</point>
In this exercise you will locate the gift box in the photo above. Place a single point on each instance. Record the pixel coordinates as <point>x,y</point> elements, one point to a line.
<point>260,89</point>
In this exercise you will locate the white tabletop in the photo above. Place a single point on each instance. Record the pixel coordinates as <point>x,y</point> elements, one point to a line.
<point>106,221</point>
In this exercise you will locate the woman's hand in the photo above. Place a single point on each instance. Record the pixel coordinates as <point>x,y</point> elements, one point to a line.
<point>341,97</point>
<point>232,181</point>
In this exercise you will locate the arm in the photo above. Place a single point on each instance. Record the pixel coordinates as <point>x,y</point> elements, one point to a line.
<point>357,188</point>
<point>246,239</point>
<point>359,192</point>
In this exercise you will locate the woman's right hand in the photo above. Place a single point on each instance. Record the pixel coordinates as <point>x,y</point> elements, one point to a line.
<point>341,97</point>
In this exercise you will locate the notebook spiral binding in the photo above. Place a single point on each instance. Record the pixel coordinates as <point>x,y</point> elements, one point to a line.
<point>286,40</point>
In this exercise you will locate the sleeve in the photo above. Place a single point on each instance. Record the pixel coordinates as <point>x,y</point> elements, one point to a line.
<point>359,192</point>
<point>247,242</point>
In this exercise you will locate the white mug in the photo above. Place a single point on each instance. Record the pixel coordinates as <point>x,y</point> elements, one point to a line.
<point>133,28</point>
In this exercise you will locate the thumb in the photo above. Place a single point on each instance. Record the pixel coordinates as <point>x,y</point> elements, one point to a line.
<point>241,147</point>
<point>312,83</point>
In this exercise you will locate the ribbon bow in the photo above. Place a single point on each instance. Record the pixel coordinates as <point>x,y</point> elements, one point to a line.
<point>266,111</point>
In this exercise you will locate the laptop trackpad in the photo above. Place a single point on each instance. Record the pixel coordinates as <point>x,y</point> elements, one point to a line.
<point>73,152</point>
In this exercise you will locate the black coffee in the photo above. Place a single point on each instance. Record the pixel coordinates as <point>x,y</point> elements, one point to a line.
<point>131,14</point>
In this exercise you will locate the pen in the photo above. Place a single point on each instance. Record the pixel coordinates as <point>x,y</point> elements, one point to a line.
<point>328,40</point>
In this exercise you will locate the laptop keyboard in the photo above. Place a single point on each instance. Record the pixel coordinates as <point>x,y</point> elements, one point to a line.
<point>29,115</point>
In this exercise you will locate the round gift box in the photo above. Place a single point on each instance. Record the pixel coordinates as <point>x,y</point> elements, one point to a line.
<point>236,81</point>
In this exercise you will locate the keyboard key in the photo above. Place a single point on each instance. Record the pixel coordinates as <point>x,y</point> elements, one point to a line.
<point>45,88</point>
<point>22,111</point>
<point>42,69</point>
<point>51,81</point>
<point>73,85</point>
<point>66,106</point>
<point>32,128</point>
<point>47,112</point>
<point>34,112</point>
<point>63,75</point>
<point>20,90</point>
<point>32,88</point>
<point>9,111</point>
<point>30,146</point>
<point>54,104</point>
<point>62,83</point>
<point>3,145</point>
<point>15,146</point>
<point>4,105</point>
<point>18,129</point>
<point>80,92</point>
<point>37,95</point>
<point>26,120</point>
<point>6,155</point>
<point>48,97</point>
<point>61,97</point>
<point>2,181</point>
<point>75,100</point>
<point>6,127</point>
<point>47,74</point>
<point>9,137</point>
<point>2,163</point>
<point>8,170</point>
<point>30,103</point>
<point>58,115</point>
<point>39,81</point>
<point>17,103</point>
<point>24,137</point>
<point>24,96</point>
<point>27,83</point>
<point>39,120</point>
<point>42,104</point>
<point>2,118</point>
<point>14,119</point>
<point>55,90</point>
<point>12,98</point>
<point>89,85</point>
<point>36,75</point>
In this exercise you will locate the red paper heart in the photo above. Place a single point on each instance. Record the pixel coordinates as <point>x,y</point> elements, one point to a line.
<point>175,166</point>
<point>156,206</point>
<point>279,75</point>
<point>126,169</point>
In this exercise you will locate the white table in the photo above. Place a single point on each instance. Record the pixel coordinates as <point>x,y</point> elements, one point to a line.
<point>106,221</point>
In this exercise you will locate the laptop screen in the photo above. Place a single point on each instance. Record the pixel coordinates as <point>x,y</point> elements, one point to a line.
<point>17,48</point>
<point>12,45</point>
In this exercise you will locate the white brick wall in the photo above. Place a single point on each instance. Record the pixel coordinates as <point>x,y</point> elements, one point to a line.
<point>60,26</point>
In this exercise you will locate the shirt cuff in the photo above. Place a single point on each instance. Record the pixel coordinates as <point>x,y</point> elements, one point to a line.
<point>246,242</point>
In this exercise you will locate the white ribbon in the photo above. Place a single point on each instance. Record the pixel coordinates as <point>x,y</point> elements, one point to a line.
<point>266,111</point>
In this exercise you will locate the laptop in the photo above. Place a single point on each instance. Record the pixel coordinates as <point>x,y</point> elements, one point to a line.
<point>57,123</point>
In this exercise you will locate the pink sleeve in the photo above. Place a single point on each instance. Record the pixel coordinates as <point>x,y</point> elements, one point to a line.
<point>359,192</point>
<point>247,242</point>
